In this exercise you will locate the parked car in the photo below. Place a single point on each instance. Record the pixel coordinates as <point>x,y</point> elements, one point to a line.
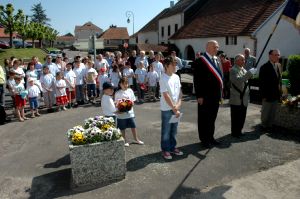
<point>54,53</point>
<point>187,66</point>
<point>4,45</point>
<point>19,44</point>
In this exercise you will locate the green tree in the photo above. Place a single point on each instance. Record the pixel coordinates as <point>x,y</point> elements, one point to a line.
<point>39,15</point>
<point>33,32</point>
<point>9,20</point>
<point>23,28</point>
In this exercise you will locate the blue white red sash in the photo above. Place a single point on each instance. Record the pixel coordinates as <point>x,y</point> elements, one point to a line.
<point>213,68</point>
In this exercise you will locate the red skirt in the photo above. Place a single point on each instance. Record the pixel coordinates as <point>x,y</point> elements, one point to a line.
<point>19,101</point>
<point>72,94</point>
<point>62,100</point>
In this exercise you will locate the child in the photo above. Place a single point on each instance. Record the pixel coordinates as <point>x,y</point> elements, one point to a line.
<point>102,78</point>
<point>61,95</point>
<point>33,94</point>
<point>90,79</point>
<point>108,106</point>
<point>115,75</point>
<point>129,73</point>
<point>79,82</point>
<point>19,99</point>
<point>126,120</point>
<point>10,87</point>
<point>170,103</point>
<point>70,79</point>
<point>140,75</point>
<point>152,79</point>
<point>48,84</point>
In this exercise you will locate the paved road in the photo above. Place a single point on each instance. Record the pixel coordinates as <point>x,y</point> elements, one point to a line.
<point>34,160</point>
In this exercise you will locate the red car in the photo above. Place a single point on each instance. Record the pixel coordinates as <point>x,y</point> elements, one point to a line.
<point>4,45</point>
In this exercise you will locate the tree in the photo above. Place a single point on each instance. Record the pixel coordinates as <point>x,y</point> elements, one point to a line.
<point>39,15</point>
<point>9,20</point>
<point>23,28</point>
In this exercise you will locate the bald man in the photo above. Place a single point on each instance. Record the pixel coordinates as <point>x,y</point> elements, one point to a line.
<point>208,87</point>
<point>250,61</point>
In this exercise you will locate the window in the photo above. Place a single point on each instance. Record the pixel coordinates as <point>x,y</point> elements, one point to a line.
<point>107,42</point>
<point>162,31</point>
<point>231,40</point>
<point>176,27</point>
<point>169,30</point>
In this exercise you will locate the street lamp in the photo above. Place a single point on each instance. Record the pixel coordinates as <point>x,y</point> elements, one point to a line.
<point>128,15</point>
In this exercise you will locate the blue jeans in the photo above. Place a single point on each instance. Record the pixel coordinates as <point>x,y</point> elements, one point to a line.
<point>91,89</point>
<point>2,94</point>
<point>168,132</point>
<point>79,92</point>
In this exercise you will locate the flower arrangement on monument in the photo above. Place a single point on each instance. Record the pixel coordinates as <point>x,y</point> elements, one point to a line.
<point>97,129</point>
<point>292,101</point>
<point>124,105</point>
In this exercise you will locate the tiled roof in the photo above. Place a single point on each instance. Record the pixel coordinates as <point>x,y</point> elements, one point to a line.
<point>179,7</point>
<point>88,26</point>
<point>4,35</point>
<point>155,48</point>
<point>115,33</point>
<point>153,24</point>
<point>228,17</point>
<point>65,38</point>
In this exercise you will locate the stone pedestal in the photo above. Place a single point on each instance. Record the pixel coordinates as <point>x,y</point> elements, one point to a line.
<point>288,117</point>
<point>97,164</point>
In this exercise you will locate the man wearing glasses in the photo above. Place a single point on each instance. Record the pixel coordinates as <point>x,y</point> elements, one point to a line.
<point>52,67</point>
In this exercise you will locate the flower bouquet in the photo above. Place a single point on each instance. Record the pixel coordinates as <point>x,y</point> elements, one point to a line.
<point>291,101</point>
<point>97,129</point>
<point>124,105</point>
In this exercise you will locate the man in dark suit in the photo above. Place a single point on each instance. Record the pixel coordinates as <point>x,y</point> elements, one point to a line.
<point>270,88</point>
<point>208,86</point>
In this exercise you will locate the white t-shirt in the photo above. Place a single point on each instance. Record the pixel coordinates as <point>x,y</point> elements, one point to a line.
<point>101,64</point>
<point>11,83</point>
<point>91,75</point>
<point>158,67</point>
<point>115,78</point>
<point>141,75</point>
<point>47,81</point>
<point>62,90</point>
<point>21,73</point>
<point>127,94</point>
<point>170,84</point>
<point>31,74</point>
<point>128,72</point>
<point>33,91</point>
<point>153,78</point>
<point>102,79</point>
<point>79,72</point>
<point>108,105</point>
<point>70,76</point>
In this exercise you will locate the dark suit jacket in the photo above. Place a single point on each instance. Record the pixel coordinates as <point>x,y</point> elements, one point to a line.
<point>206,84</point>
<point>269,82</point>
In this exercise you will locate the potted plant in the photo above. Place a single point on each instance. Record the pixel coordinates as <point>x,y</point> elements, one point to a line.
<point>97,153</point>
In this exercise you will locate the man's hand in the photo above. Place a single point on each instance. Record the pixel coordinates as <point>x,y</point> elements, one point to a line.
<point>200,101</point>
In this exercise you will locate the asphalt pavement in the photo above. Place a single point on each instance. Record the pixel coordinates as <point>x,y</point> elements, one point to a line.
<point>35,163</point>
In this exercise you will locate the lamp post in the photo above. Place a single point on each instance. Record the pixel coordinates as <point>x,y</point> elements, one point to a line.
<point>128,15</point>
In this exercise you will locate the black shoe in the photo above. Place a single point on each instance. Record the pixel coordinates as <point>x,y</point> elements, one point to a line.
<point>215,142</point>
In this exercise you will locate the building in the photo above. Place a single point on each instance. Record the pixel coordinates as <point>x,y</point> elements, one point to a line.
<point>114,37</point>
<point>64,41</point>
<point>84,34</point>
<point>236,29</point>
<point>5,37</point>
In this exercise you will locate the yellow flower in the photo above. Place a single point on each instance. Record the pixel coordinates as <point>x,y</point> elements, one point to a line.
<point>78,138</point>
<point>105,127</point>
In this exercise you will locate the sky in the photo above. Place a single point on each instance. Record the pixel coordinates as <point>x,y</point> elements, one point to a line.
<point>66,14</point>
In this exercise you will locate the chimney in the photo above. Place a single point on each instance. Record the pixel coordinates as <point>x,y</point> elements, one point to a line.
<point>172,4</point>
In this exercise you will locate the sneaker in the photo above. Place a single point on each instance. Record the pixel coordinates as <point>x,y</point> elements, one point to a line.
<point>37,114</point>
<point>126,144</point>
<point>166,155</point>
<point>139,142</point>
<point>177,152</point>
<point>64,108</point>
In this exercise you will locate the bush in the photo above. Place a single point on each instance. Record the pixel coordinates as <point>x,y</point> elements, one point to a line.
<point>294,74</point>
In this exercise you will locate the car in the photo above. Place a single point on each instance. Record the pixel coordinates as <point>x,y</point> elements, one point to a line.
<point>54,53</point>
<point>19,44</point>
<point>4,45</point>
<point>186,66</point>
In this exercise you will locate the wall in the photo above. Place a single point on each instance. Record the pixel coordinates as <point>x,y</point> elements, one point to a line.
<point>286,38</point>
<point>172,20</point>
<point>199,44</point>
<point>152,37</point>
<point>85,34</point>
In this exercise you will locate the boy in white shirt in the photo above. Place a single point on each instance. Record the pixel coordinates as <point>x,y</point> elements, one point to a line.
<point>70,78</point>
<point>102,78</point>
<point>107,103</point>
<point>152,79</point>
<point>90,79</point>
<point>129,73</point>
<point>140,75</point>
<point>33,94</point>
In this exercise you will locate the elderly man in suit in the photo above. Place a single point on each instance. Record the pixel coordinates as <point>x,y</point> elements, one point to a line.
<point>208,82</point>
<point>239,95</point>
<point>270,88</point>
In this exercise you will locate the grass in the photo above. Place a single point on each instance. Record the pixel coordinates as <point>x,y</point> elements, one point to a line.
<point>22,53</point>
<point>49,49</point>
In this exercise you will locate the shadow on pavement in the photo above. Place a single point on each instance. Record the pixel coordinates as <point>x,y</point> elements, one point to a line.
<point>59,162</point>
<point>280,133</point>
<point>187,192</point>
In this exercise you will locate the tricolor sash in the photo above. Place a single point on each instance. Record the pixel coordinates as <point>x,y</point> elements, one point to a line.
<point>213,68</point>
